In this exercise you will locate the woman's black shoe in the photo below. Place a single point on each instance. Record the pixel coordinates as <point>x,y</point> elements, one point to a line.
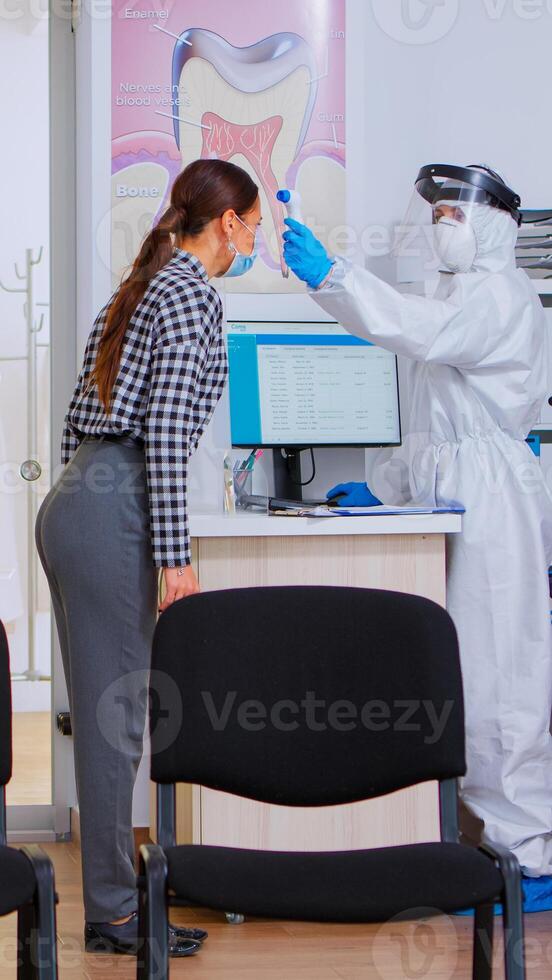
<point>103,937</point>
<point>184,932</point>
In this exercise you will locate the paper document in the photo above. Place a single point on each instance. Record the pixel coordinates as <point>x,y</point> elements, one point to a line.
<point>382,510</point>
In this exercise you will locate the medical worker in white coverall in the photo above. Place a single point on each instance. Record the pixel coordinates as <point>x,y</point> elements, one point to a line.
<point>477,381</point>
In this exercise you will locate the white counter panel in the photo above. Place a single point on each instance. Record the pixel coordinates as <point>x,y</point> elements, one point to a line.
<point>258,526</point>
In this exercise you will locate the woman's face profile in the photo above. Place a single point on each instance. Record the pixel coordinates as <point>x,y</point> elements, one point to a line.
<point>448,211</point>
<point>243,232</point>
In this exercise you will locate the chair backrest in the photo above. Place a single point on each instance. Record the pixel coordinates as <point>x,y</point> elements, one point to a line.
<point>5,710</point>
<point>306,695</point>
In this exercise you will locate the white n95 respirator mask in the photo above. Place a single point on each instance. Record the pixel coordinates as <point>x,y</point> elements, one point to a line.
<point>455,244</point>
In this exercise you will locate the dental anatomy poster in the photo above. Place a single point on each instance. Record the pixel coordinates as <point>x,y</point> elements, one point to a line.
<point>258,82</point>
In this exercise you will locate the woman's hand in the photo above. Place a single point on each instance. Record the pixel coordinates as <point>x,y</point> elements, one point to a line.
<point>178,586</point>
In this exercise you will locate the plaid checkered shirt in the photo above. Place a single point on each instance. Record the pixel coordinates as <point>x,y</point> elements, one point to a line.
<point>172,373</point>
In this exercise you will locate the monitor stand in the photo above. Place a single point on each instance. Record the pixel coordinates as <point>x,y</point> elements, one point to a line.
<point>287,479</point>
<point>287,474</point>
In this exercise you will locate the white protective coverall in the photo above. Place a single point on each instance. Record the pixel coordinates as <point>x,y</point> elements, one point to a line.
<point>477,379</point>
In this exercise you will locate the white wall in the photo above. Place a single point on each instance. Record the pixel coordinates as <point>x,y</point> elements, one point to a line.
<point>479,93</point>
<point>24,160</point>
<point>24,172</point>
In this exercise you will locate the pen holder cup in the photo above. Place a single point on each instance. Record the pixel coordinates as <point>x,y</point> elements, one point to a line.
<point>251,491</point>
<point>243,486</point>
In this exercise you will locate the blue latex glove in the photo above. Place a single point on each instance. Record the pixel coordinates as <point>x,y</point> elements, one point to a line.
<point>537,893</point>
<point>537,896</point>
<point>353,495</point>
<point>304,254</point>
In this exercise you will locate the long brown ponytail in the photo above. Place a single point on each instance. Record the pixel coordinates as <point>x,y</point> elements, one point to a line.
<point>204,190</point>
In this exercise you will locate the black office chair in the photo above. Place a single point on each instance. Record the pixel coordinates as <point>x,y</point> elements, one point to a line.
<point>349,648</point>
<point>26,874</point>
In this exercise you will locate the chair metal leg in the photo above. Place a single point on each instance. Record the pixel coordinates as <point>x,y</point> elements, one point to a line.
<point>152,962</point>
<point>514,947</point>
<point>512,903</point>
<point>25,928</point>
<point>43,945</point>
<point>483,925</point>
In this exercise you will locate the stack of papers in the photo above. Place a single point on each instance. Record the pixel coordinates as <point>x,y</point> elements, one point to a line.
<point>382,510</point>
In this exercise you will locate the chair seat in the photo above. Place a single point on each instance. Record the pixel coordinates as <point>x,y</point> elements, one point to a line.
<point>336,886</point>
<point>17,879</point>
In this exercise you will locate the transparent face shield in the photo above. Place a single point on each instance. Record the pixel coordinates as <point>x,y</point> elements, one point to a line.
<point>437,231</point>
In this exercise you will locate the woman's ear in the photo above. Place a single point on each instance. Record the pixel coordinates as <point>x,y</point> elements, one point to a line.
<point>228,222</point>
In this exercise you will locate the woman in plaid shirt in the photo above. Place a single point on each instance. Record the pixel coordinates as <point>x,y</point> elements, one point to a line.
<point>154,368</point>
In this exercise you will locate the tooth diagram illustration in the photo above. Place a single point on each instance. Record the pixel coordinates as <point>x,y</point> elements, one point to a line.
<point>252,105</point>
<point>270,98</point>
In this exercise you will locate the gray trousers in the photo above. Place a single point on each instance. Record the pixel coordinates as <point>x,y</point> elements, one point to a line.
<point>92,534</point>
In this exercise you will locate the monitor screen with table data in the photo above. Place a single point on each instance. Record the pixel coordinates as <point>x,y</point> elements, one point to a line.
<point>310,384</point>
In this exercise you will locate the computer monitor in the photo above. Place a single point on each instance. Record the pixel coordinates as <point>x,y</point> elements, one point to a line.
<point>305,385</point>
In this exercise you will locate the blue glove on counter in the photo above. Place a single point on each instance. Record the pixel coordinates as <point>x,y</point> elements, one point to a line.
<point>304,254</point>
<point>353,495</point>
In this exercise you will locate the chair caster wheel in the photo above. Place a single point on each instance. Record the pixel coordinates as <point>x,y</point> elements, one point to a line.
<point>234,918</point>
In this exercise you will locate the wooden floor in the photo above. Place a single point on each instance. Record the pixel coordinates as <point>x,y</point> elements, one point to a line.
<point>437,948</point>
<point>31,781</point>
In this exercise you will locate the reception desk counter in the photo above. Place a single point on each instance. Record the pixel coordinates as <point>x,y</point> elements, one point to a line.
<point>404,553</point>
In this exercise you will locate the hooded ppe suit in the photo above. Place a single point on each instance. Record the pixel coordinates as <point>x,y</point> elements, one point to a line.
<point>477,381</point>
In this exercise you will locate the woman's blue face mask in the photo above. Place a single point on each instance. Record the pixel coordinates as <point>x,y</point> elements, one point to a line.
<point>241,263</point>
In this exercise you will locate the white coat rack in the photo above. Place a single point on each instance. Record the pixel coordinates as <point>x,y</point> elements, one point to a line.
<point>30,469</point>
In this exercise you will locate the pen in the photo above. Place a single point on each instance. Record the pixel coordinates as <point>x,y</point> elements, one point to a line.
<point>249,462</point>
<point>255,455</point>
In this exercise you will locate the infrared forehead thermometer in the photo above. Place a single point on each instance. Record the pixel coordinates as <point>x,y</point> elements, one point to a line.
<point>292,203</point>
